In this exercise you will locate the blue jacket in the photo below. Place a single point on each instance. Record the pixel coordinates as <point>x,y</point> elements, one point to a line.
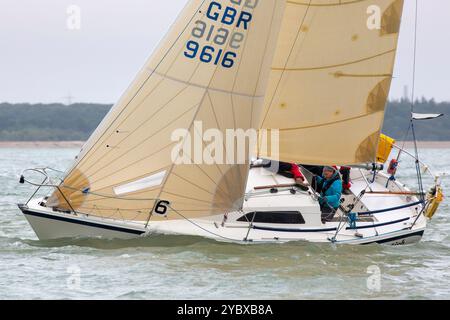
<point>333,195</point>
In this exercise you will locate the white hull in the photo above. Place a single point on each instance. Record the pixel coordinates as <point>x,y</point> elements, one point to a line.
<point>50,226</point>
<point>401,224</point>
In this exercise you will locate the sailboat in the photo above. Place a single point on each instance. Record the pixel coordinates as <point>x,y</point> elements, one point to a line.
<point>316,72</point>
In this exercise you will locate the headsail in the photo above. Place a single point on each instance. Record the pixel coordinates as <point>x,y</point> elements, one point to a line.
<point>331,78</point>
<point>211,71</point>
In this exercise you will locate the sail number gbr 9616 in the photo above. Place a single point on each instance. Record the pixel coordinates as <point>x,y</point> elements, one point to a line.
<point>219,38</point>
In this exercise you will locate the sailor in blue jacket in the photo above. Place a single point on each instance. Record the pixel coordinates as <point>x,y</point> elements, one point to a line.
<point>330,188</point>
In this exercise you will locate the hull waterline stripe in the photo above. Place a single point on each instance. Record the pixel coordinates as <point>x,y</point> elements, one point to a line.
<point>330,229</point>
<point>84,223</point>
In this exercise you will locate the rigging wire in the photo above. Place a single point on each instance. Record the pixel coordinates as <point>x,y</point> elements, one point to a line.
<point>413,91</point>
<point>413,96</point>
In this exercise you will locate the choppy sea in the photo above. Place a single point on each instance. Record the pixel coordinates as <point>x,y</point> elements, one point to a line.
<point>164,267</point>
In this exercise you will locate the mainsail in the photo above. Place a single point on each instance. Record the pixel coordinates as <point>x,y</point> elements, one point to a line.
<point>331,78</point>
<point>211,70</point>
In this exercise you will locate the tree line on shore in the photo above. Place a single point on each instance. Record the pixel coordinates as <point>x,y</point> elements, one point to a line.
<point>58,122</point>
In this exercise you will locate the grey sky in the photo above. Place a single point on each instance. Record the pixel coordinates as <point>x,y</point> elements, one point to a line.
<point>41,60</point>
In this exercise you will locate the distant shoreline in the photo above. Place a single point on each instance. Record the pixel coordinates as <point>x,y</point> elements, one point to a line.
<point>79,144</point>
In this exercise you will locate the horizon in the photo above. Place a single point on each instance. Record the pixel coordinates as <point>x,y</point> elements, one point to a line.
<point>99,60</point>
<point>417,100</point>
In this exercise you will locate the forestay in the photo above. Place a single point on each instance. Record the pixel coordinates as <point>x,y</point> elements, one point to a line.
<point>212,68</point>
<point>330,79</point>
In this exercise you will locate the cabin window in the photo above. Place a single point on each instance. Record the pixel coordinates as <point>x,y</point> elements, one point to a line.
<point>280,217</point>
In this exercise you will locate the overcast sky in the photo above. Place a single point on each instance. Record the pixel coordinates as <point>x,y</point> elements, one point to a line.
<point>42,60</point>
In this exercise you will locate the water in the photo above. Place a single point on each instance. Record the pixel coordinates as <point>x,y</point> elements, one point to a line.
<point>195,268</point>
